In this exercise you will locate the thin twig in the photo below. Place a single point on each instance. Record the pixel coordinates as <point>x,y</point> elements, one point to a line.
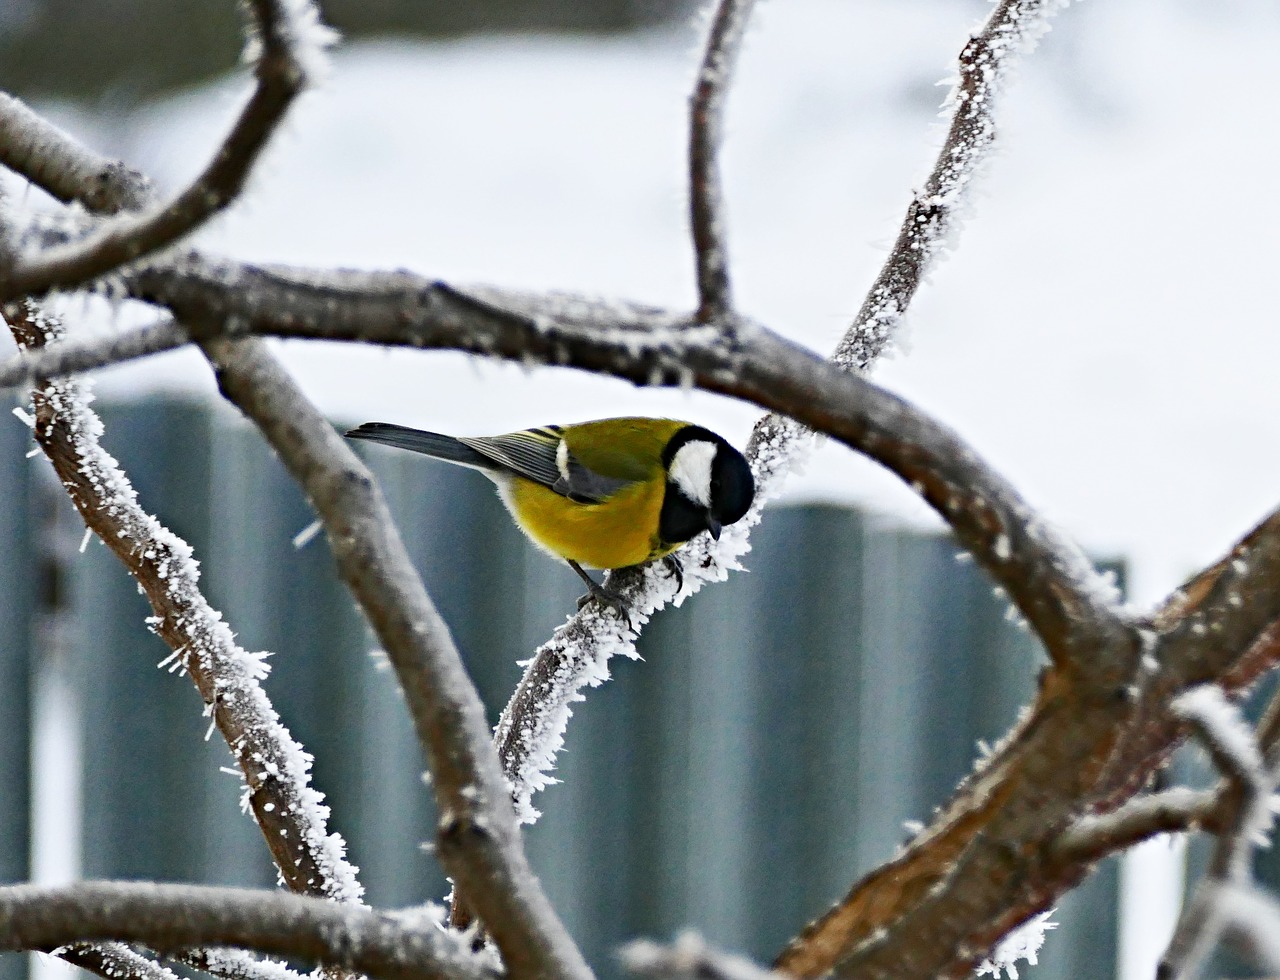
<point>1172,811</point>
<point>706,134</point>
<point>1219,727</point>
<point>74,356</point>
<point>172,918</point>
<point>479,842</point>
<point>280,78</point>
<point>1011,30</point>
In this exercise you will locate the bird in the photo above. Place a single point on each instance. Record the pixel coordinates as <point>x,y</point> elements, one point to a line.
<point>607,494</point>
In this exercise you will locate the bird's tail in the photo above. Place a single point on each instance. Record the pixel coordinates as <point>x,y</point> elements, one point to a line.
<point>418,441</point>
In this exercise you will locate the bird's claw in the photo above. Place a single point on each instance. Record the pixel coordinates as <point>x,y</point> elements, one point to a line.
<point>675,570</point>
<point>608,598</point>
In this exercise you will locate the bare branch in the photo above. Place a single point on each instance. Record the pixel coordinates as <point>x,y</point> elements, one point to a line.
<point>479,842</point>
<point>706,134</point>
<point>1011,30</point>
<point>32,146</point>
<point>1219,727</point>
<point>1239,606</point>
<point>173,918</point>
<point>289,812</point>
<point>280,76</point>
<point>1172,811</point>
<point>76,356</point>
<point>690,958</point>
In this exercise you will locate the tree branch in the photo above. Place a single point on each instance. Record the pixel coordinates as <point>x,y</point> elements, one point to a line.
<point>67,357</point>
<point>32,146</point>
<point>113,961</point>
<point>706,133</point>
<point>1046,576</point>
<point>1219,727</point>
<point>1011,30</point>
<point>479,842</point>
<point>173,918</point>
<point>289,812</point>
<point>1172,811</point>
<point>280,77</point>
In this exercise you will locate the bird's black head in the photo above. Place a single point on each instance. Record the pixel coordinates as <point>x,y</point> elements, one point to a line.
<point>709,485</point>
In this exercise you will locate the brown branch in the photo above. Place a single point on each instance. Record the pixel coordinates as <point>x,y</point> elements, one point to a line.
<point>67,430</point>
<point>479,842</point>
<point>280,77</point>
<point>706,133</point>
<point>174,918</point>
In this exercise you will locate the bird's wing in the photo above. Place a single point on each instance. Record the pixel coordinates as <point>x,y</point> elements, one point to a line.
<point>541,455</point>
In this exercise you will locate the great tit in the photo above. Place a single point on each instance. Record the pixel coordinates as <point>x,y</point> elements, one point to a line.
<point>606,494</point>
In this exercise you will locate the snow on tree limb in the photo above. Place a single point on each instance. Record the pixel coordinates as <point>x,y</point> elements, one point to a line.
<point>173,918</point>
<point>932,220</point>
<point>291,813</point>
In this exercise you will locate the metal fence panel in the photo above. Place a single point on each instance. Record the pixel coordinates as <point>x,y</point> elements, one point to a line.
<point>18,578</point>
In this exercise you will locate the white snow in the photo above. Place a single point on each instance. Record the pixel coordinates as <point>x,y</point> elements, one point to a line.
<point>1022,944</point>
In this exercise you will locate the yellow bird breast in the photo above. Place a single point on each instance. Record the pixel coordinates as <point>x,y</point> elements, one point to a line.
<point>619,531</point>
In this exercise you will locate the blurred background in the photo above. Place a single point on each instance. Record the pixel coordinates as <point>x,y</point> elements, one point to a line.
<point>1104,331</point>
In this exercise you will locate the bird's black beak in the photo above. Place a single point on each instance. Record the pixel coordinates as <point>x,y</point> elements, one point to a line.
<point>714,527</point>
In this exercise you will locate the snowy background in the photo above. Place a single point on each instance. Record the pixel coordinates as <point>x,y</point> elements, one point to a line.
<point>1105,332</point>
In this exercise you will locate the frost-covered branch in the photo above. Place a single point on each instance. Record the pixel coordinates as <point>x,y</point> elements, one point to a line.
<point>276,770</point>
<point>236,964</point>
<point>706,134</point>
<point>478,841</point>
<point>113,961</point>
<point>931,223</point>
<point>1230,742</point>
<point>74,356</point>
<point>281,71</point>
<point>172,918</point>
<point>1171,811</point>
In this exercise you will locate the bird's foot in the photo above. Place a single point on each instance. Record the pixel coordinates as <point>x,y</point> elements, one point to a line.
<point>674,570</point>
<point>603,596</point>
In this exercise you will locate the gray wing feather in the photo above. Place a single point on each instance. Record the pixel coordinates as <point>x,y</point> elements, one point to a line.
<point>534,454</point>
<point>530,453</point>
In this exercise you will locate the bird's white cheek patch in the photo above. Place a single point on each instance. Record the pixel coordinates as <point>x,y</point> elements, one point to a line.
<point>691,470</point>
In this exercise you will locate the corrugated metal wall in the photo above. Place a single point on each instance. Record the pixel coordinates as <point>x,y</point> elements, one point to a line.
<point>780,731</point>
